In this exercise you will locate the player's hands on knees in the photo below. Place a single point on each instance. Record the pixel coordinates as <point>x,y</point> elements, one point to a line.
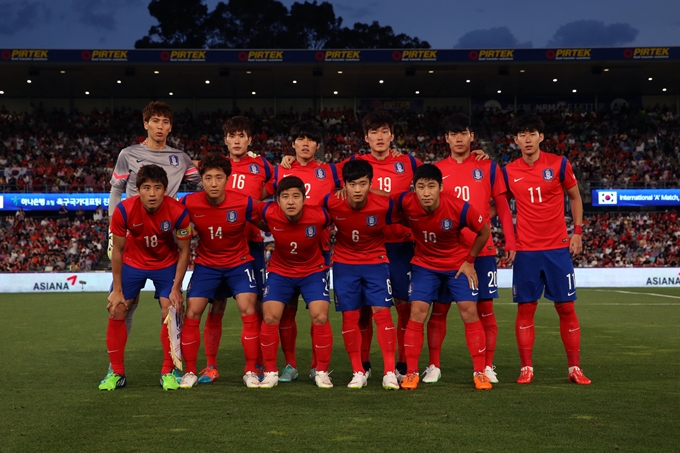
<point>576,245</point>
<point>509,256</point>
<point>481,155</point>
<point>115,299</point>
<point>469,271</point>
<point>287,162</point>
<point>341,194</point>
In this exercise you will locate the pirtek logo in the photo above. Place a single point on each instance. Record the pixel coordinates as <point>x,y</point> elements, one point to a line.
<point>187,55</point>
<point>429,54</point>
<point>651,52</point>
<point>496,53</point>
<point>342,55</point>
<point>265,55</point>
<point>29,53</point>
<point>572,53</point>
<point>117,54</point>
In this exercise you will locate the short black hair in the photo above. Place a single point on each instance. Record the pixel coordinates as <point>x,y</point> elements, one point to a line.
<point>428,171</point>
<point>355,169</point>
<point>376,120</point>
<point>290,182</point>
<point>151,173</point>
<point>528,122</point>
<point>214,160</point>
<point>307,129</point>
<point>157,108</point>
<point>238,124</point>
<point>459,122</point>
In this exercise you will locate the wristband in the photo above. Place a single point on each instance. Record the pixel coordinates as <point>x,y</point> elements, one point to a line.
<point>578,229</point>
<point>470,259</point>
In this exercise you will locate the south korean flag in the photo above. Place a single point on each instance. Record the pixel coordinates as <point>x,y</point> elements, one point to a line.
<point>607,197</point>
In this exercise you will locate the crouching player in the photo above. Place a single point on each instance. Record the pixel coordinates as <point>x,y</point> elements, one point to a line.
<point>222,261</point>
<point>437,220</point>
<point>144,247</point>
<point>361,274</point>
<point>297,266</point>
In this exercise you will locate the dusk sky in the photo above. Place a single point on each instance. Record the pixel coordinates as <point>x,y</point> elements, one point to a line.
<point>117,24</point>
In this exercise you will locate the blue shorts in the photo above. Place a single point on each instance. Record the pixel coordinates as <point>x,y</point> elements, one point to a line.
<point>487,274</point>
<point>400,255</point>
<point>326,257</point>
<point>257,252</point>
<point>313,287</point>
<point>426,285</point>
<point>135,279</point>
<point>206,281</point>
<point>358,285</point>
<point>551,271</point>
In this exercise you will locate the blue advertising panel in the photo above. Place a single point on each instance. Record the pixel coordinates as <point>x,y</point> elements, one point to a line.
<point>54,201</point>
<point>636,197</point>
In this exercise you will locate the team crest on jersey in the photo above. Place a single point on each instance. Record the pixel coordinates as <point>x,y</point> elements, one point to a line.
<point>371,220</point>
<point>232,216</point>
<point>320,173</point>
<point>399,167</point>
<point>477,174</point>
<point>447,224</point>
<point>548,174</point>
<point>310,231</point>
<point>254,169</point>
<point>174,160</point>
<point>166,225</point>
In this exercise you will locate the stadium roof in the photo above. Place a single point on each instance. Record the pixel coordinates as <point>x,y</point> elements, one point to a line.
<point>404,73</point>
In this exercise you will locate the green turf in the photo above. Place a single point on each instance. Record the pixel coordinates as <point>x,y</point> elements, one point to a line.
<point>53,354</point>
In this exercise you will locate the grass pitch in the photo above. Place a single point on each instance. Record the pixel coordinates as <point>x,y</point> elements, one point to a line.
<point>53,355</point>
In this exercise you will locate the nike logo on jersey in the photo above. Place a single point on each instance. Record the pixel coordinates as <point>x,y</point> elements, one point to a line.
<point>321,347</point>
<point>493,291</point>
<point>481,350</point>
<point>185,344</point>
<point>252,286</point>
<point>444,177</point>
<point>390,328</point>
<point>408,345</point>
<point>340,218</point>
<point>265,345</point>
<point>347,331</point>
<point>574,330</point>
<point>251,338</point>
<point>571,293</point>
<point>484,315</point>
<point>111,351</point>
<point>197,216</point>
<point>286,175</point>
<point>525,327</point>
<point>140,160</point>
<point>388,299</point>
<point>278,229</point>
<point>415,220</point>
<point>137,224</point>
<point>519,179</point>
<point>474,294</point>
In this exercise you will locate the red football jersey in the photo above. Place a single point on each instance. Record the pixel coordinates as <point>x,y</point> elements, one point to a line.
<point>392,175</point>
<point>539,193</point>
<point>150,237</point>
<point>248,176</point>
<point>222,242</point>
<point>475,182</point>
<point>296,245</point>
<point>360,238</point>
<point>438,235</point>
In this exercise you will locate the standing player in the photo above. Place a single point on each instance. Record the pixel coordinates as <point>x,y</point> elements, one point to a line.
<point>248,177</point>
<point>361,274</point>
<point>543,263</point>
<point>144,230</point>
<point>476,182</point>
<point>319,181</point>
<point>222,260</point>
<point>157,117</point>
<point>297,266</point>
<point>437,221</point>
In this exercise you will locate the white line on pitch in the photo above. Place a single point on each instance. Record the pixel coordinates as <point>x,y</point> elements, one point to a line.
<point>635,292</point>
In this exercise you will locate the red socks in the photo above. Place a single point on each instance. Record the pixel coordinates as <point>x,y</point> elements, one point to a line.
<point>168,364</point>
<point>250,339</point>
<point>436,331</point>
<point>413,345</point>
<point>366,328</point>
<point>212,334</point>
<point>116,338</point>
<point>403,316</point>
<point>525,331</point>
<point>322,343</point>
<point>486,315</point>
<point>288,331</point>
<point>570,331</point>
<point>269,342</point>
<point>352,338</point>
<point>387,338</point>
<point>476,343</point>
<point>191,340</point>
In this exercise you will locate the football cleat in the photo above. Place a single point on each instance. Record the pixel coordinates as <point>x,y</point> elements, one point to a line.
<point>482,382</point>
<point>108,373</point>
<point>188,380</point>
<point>359,380</point>
<point>260,372</point>
<point>169,382</point>
<point>312,374</point>
<point>270,380</point>
<point>410,381</point>
<point>112,381</point>
<point>252,380</point>
<point>178,374</point>
<point>400,376</point>
<point>577,376</point>
<point>526,375</point>
<point>390,381</point>
<point>367,368</point>
<point>490,372</point>
<point>323,380</point>
<point>432,375</point>
<point>288,374</point>
<point>209,375</point>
